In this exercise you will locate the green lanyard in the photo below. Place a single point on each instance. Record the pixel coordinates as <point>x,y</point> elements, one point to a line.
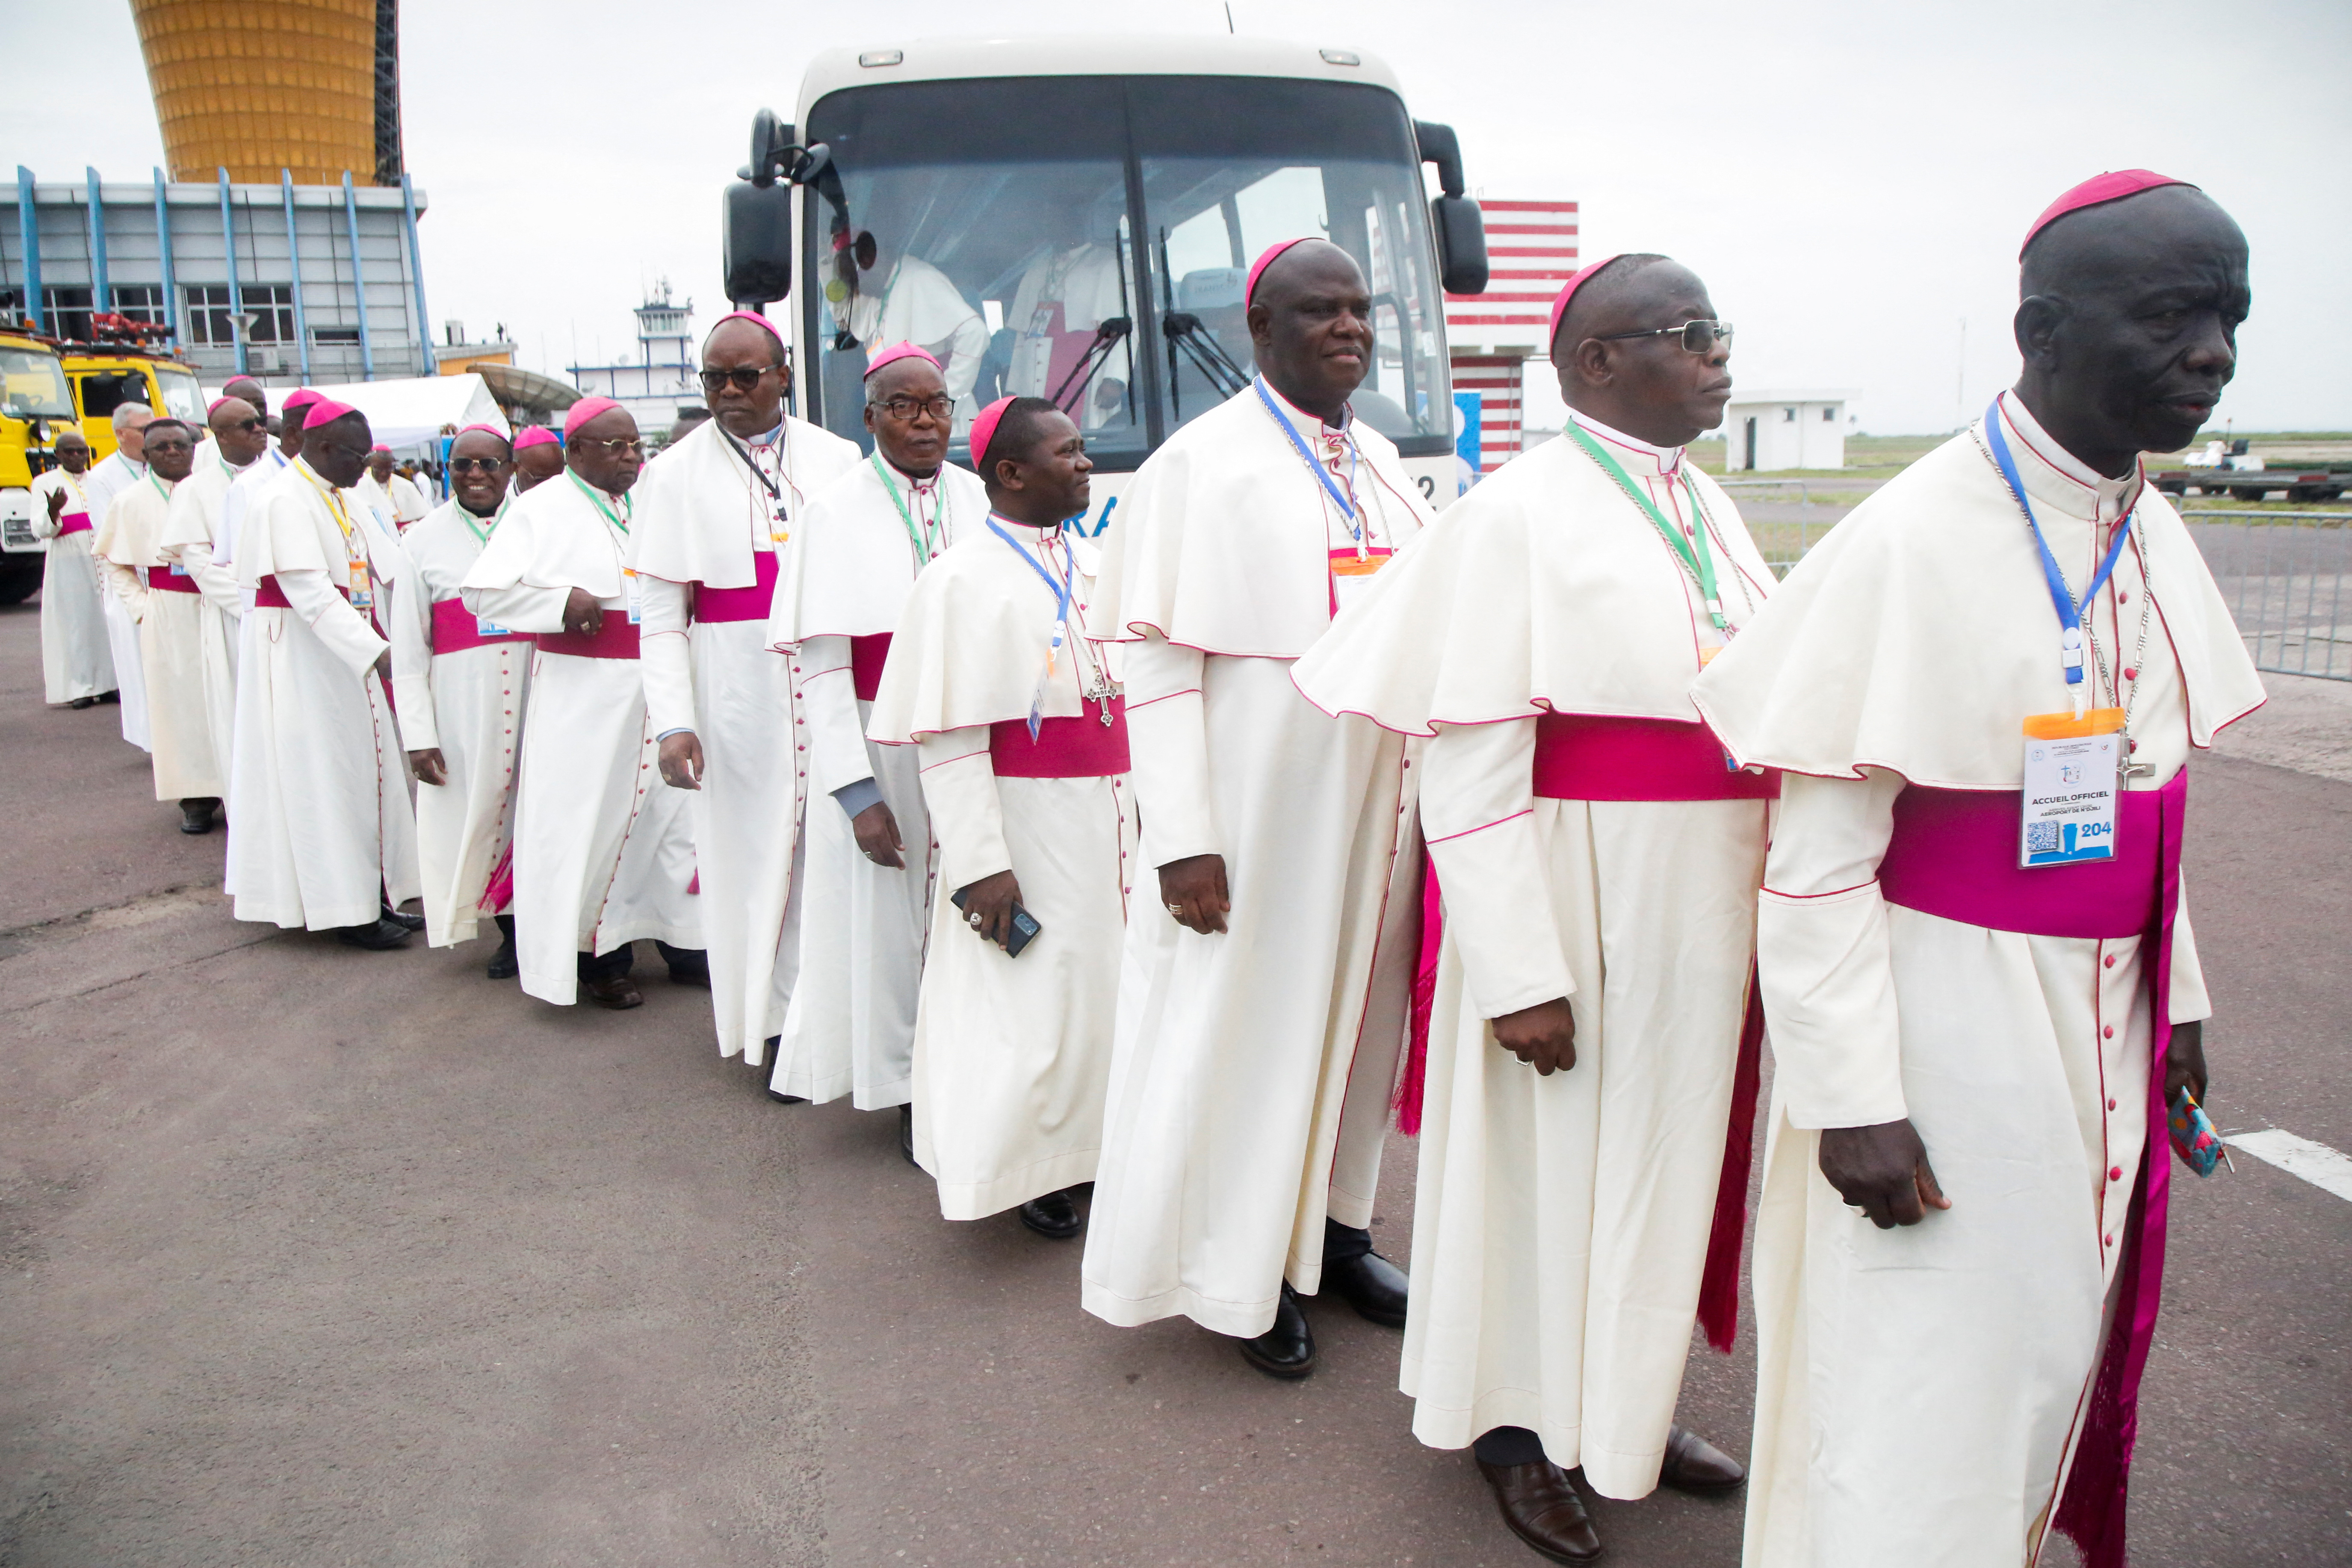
<point>159,486</point>
<point>589,490</point>
<point>925,538</point>
<point>482,537</point>
<point>1701,566</point>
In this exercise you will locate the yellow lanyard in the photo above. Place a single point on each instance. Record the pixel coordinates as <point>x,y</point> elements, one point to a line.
<point>354,552</point>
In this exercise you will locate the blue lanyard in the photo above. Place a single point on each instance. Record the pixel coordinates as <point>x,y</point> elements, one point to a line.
<point>1060,590</point>
<point>1346,507</point>
<point>2070,619</point>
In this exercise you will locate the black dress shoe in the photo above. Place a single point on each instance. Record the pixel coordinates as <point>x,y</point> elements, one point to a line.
<point>1542,1506</point>
<point>1052,1217</point>
<point>906,1133</point>
<point>81,702</point>
<point>409,921</point>
<point>375,936</point>
<point>196,815</point>
<point>1695,1465</point>
<point>767,1070</point>
<point>1370,1284</point>
<point>110,697</point>
<point>504,964</point>
<point>1285,1351</point>
<point>620,992</point>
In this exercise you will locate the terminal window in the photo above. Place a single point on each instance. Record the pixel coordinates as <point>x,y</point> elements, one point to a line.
<point>210,307</point>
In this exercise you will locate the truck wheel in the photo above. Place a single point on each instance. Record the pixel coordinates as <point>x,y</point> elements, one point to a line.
<point>2174,487</point>
<point>2245,493</point>
<point>2298,493</point>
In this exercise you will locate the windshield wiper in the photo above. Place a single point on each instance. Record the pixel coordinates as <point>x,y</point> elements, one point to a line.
<point>1073,390</point>
<point>1200,345</point>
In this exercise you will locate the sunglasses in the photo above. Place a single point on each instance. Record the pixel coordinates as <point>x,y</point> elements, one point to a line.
<point>616,444</point>
<point>476,465</point>
<point>1698,337</point>
<point>742,378</point>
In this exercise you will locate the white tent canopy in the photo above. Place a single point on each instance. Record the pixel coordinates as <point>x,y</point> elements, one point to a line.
<point>411,413</point>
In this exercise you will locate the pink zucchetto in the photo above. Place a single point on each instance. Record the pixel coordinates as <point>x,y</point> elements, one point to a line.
<point>485,429</point>
<point>300,397</point>
<point>531,436</point>
<point>584,410</point>
<point>1567,292</point>
<point>754,317</point>
<point>2112,186</point>
<point>1265,259</point>
<point>325,411</point>
<point>896,351</point>
<point>983,431</point>
<point>214,406</point>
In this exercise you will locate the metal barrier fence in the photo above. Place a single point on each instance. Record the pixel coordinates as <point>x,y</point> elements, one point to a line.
<point>2282,573</point>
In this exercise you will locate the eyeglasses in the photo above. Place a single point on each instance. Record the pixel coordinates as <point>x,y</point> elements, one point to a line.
<point>615,445</point>
<point>743,378</point>
<point>248,425</point>
<point>1698,337</point>
<point>904,409</point>
<point>476,465</point>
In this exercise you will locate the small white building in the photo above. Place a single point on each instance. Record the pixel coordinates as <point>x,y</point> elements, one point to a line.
<point>1766,430</point>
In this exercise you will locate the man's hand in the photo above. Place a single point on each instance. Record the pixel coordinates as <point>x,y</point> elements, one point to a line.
<point>1193,888</point>
<point>878,835</point>
<point>57,504</point>
<point>1543,1036</point>
<point>582,615</point>
<point>383,667</point>
<point>682,760</point>
<point>988,907</point>
<point>2184,1062</point>
<point>428,766</point>
<point>1883,1170</point>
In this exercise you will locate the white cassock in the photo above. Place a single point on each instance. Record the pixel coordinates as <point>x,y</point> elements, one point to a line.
<point>604,852</point>
<point>850,1028</point>
<point>1012,1053</point>
<point>104,481</point>
<point>76,660</point>
<point>320,831</point>
<point>233,506</point>
<point>410,505</point>
<point>188,543</point>
<point>1925,1391</point>
<point>462,686</point>
<point>711,522</point>
<point>917,303</point>
<point>1064,296</point>
<point>1250,1085</point>
<point>1590,844</point>
<point>183,643</point>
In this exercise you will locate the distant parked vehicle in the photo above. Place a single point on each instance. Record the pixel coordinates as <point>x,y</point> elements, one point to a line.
<point>2217,472</point>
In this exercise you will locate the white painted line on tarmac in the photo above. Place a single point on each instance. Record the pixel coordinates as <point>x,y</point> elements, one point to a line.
<point>2314,1163</point>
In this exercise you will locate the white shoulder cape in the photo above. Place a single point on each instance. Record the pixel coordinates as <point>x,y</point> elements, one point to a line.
<point>553,537</point>
<point>699,510</point>
<point>849,564</point>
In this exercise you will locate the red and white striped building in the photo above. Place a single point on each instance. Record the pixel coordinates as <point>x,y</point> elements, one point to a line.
<point>1532,248</point>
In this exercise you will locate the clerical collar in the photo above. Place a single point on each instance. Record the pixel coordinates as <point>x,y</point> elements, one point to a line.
<point>1668,458</point>
<point>2114,497</point>
<point>1310,424</point>
<point>766,438</point>
<point>912,482</point>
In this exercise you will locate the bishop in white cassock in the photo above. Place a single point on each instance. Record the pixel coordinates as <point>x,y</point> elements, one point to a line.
<point>321,834</point>
<point>400,497</point>
<point>713,516</point>
<point>871,865</point>
<point>120,469</point>
<point>77,665</point>
<point>464,686</point>
<point>1975,1053</point>
<point>1588,1042</point>
<point>604,852</point>
<point>1263,1003</point>
<point>1022,738</point>
<point>182,647</point>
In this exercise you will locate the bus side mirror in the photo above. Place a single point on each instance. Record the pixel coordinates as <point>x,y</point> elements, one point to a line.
<point>756,222</point>
<point>1459,228</point>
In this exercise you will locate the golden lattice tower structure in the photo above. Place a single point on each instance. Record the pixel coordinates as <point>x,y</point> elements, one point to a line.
<point>256,85</point>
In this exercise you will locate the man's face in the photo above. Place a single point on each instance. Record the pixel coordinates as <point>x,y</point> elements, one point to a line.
<point>1680,394</point>
<point>131,435</point>
<point>1311,323</point>
<point>245,389</point>
<point>171,453</point>
<point>909,411</point>
<point>607,451</point>
<point>738,352</point>
<point>534,466</point>
<point>479,468</point>
<point>380,465</point>
<point>73,452</point>
<point>338,450</point>
<point>1055,469</point>
<point>238,430</point>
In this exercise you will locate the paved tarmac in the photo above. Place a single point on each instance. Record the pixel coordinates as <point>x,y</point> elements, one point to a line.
<point>312,1257</point>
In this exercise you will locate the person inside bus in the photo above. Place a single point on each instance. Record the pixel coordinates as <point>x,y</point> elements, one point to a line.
<point>1070,290</point>
<point>892,297</point>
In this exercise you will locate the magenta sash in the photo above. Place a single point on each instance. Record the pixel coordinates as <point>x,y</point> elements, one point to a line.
<point>456,629</point>
<point>615,638</point>
<point>160,579</point>
<point>1080,748</point>
<point>1588,756</point>
<point>73,522</point>
<point>1953,854</point>
<point>749,604</point>
<point>866,657</point>
<point>268,596</point>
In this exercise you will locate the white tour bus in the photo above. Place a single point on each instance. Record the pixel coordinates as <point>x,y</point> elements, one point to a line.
<point>1073,217</point>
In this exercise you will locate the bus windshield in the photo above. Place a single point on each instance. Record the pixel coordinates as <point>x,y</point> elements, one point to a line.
<point>1085,238</point>
<point>184,395</point>
<point>36,385</point>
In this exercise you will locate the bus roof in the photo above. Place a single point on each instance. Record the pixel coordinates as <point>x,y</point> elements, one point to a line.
<point>1078,53</point>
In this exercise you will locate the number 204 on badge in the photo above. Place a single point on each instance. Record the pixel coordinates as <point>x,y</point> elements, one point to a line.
<point>2072,769</point>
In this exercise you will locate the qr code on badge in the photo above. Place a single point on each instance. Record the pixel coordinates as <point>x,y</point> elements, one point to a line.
<point>2042,838</point>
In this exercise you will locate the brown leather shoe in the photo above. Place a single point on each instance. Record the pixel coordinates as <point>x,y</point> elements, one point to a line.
<point>1695,1465</point>
<point>620,992</point>
<point>1542,1506</point>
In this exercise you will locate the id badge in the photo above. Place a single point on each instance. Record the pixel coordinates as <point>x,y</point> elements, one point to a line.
<point>485,628</point>
<point>2073,770</point>
<point>1351,573</point>
<point>779,529</point>
<point>636,599</point>
<point>179,568</point>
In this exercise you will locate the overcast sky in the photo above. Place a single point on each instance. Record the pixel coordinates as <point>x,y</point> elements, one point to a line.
<point>1850,178</point>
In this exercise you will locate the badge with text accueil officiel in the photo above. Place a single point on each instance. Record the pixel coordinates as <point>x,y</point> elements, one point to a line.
<point>2072,772</point>
<point>635,598</point>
